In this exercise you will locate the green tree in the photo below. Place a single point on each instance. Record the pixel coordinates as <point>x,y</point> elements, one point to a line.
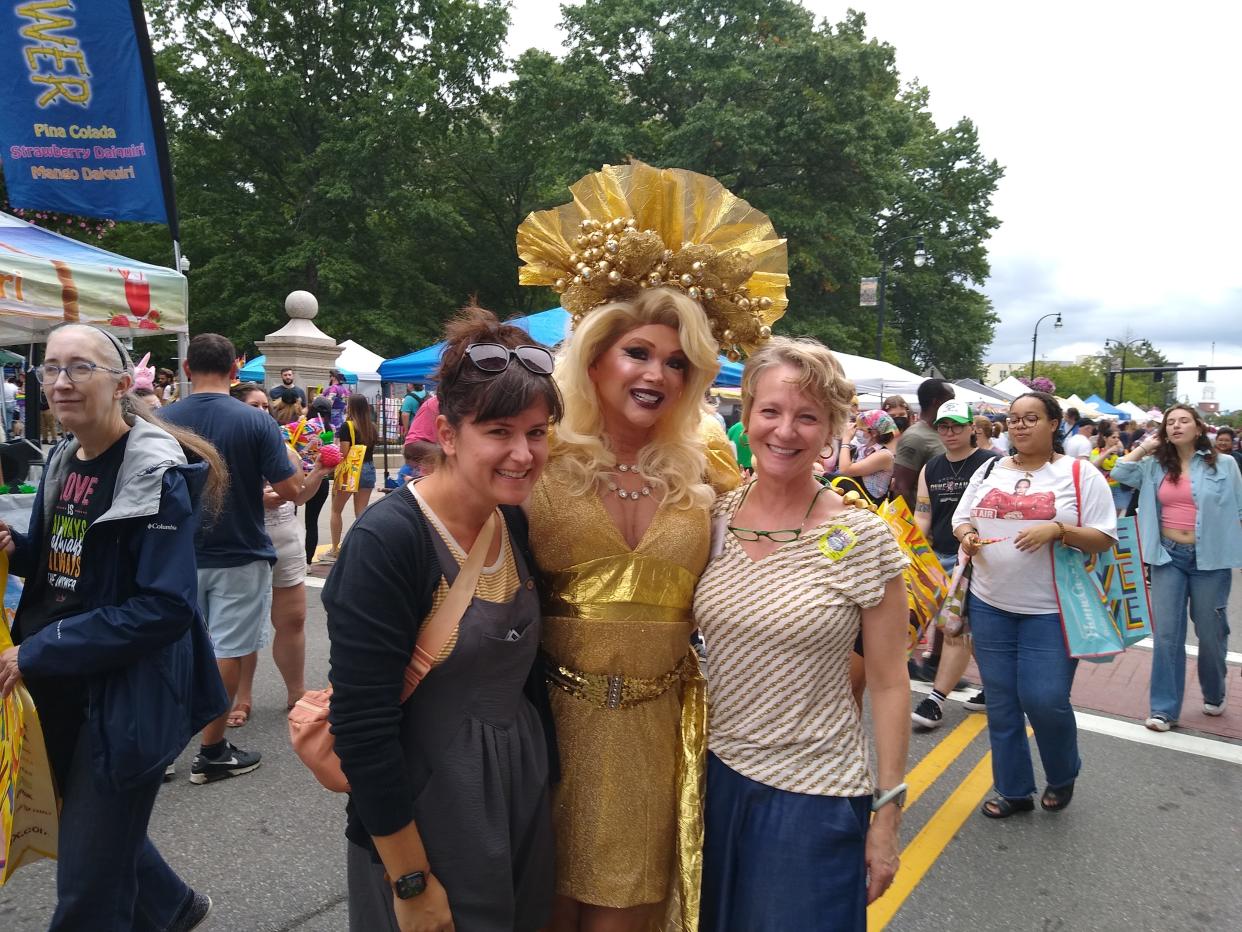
<point>303,141</point>
<point>1088,376</point>
<point>810,123</point>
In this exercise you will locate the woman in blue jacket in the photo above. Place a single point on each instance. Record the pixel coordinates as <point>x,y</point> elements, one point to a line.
<point>109,639</point>
<point>1190,524</point>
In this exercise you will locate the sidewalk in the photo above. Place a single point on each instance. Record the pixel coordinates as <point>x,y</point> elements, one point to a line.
<point>1121,688</point>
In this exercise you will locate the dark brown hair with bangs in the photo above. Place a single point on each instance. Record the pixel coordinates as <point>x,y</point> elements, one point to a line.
<point>466,391</point>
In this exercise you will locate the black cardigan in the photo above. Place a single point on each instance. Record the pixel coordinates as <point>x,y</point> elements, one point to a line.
<point>376,597</point>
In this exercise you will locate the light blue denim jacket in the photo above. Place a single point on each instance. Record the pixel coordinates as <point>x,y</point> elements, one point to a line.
<point>1218,509</point>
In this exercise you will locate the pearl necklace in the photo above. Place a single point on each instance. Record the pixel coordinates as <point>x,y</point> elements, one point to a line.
<point>624,494</point>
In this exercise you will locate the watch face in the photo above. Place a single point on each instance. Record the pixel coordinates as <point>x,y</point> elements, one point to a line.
<point>410,885</point>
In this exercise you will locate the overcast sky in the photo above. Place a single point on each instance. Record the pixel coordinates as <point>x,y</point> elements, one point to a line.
<point>1118,128</point>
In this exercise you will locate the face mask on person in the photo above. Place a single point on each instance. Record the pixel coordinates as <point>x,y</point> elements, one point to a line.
<point>901,421</point>
<point>859,436</point>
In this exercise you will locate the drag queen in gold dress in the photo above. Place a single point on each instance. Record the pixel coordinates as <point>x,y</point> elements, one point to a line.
<point>661,271</point>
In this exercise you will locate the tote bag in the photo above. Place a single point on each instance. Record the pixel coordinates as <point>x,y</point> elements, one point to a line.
<point>1104,601</point>
<point>349,472</point>
<point>28,811</point>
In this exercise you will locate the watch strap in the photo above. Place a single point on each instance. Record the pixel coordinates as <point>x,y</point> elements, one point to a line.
<point>883,797</point>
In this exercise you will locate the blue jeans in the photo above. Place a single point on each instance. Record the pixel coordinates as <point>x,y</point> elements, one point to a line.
<point>1172,586</point>
<point>1026,670</point>
<point>109,877</point>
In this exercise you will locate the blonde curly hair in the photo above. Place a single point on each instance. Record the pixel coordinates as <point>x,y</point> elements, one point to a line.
<point>821,377</point>
<point>673,462</point>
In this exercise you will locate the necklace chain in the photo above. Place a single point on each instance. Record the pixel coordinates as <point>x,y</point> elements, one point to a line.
<point>625,494</point>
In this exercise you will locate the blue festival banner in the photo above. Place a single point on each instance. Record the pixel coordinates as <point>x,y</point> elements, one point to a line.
<point>81,127</point>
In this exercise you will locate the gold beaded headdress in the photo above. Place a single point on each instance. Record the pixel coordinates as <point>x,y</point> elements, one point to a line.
<point>633,226</point>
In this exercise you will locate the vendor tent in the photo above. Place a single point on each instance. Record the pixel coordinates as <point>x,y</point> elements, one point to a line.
<point>1107,409</point>
<point>979,388</point>
<point>1085,408</point>
<point>1011,387</point>
<point>1135,412</point>
<point>547,327</point>
<point>254,371</point>
<point>47,279</point>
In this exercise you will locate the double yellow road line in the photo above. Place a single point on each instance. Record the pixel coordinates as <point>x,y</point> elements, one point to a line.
<point>921,853</point>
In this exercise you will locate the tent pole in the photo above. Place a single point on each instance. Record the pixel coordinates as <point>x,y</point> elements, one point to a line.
<point>183,339</point>
<point>384,428</point>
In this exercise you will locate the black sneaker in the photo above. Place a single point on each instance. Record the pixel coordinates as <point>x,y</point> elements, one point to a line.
<point>920,672</point>
<point>977,703</point>
<point>928,713</point>
<point>232,763</point>
<point>195,912</point>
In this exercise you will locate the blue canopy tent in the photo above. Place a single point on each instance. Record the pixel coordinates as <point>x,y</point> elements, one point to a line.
<point>253,372</point>
<point>1105,408</point>
<point>547,327</point>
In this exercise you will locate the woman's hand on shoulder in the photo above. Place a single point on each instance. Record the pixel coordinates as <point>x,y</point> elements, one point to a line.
<point>6,539</point>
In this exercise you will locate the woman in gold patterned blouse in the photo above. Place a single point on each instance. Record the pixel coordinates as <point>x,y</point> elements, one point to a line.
<point>619,525</point>
<point>794,838</point>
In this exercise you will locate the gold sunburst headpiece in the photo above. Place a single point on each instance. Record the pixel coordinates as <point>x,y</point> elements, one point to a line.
<point>633,226</point>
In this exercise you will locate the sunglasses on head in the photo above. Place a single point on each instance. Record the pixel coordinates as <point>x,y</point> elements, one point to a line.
<point>494,358</point>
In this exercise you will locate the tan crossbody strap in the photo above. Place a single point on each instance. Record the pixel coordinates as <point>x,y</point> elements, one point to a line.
<point>441,625</point>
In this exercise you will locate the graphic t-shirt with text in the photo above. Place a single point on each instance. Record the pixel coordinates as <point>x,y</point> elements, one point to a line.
<point>85,495</point>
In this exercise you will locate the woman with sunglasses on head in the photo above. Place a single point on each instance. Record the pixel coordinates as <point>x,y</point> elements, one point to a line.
<point>798,836</point>
<point>873,463</point>
<point>620,522</point>
<point>109,638</point>
<point>1014,510</point>
<point>1190,509</point>
<point>448,821</point>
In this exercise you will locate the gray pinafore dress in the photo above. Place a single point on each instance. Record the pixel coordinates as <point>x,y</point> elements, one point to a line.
<point>475,749</point>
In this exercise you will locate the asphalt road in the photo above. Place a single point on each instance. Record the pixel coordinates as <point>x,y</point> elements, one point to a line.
<point>1152,841</point>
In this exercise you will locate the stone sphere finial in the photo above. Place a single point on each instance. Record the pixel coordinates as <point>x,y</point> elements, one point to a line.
<point>301,305</point>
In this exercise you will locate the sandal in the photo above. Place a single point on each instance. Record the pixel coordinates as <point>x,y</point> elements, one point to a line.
<point>239,715</point>
<point>1056,799</point>
<point>1002,807</point>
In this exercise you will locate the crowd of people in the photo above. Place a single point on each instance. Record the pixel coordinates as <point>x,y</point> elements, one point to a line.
<point>530,737</point>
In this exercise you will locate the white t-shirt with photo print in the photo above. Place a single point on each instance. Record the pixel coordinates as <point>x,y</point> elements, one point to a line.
<point>1010,500</point>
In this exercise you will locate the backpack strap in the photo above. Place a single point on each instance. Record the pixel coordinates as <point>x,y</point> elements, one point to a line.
<point>1076,469</point>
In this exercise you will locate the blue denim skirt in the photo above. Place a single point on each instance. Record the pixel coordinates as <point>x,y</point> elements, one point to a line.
<point>775,861</point>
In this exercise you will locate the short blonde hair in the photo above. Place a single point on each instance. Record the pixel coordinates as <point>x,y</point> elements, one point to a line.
<point>674,461</point>
<point>821,377</point>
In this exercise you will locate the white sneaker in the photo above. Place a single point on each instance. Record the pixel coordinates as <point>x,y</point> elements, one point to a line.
<point>1219,709</point>
<point>1158,723</point>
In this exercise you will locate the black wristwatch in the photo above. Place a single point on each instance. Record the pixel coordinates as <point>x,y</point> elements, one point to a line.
<point>410,885</point>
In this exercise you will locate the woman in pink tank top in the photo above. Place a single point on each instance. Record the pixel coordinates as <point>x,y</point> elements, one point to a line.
<point>1190,503</point>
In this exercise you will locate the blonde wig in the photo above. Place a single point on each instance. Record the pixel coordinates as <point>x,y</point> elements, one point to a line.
<point>673,462</point>
<point>820,377</point>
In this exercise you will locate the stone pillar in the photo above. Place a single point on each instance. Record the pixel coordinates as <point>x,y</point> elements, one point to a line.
<point>300,345</point>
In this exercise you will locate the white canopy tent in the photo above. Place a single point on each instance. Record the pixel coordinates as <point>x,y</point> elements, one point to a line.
<point>1012,387</point>
<point>874,380</point>
<point>363,363</point>
<point>1137,413</point>
<point>1084,409</point>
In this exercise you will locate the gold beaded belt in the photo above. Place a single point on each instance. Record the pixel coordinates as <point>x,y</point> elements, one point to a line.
<point>614,691</point>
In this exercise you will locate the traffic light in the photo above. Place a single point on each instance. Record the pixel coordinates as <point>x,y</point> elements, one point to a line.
<point>1203,373</point>
<point>1158,375</point>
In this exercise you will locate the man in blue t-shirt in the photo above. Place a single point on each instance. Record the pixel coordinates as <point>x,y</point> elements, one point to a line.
<point>415,395</point>
<point>234,553</point>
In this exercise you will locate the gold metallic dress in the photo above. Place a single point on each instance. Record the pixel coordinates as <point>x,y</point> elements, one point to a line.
<point>630,709</point>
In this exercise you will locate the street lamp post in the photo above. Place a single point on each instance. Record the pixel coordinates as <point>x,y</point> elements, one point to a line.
<point>920,260</point>
<point>1035,337</point>
<point>1125,349</point>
